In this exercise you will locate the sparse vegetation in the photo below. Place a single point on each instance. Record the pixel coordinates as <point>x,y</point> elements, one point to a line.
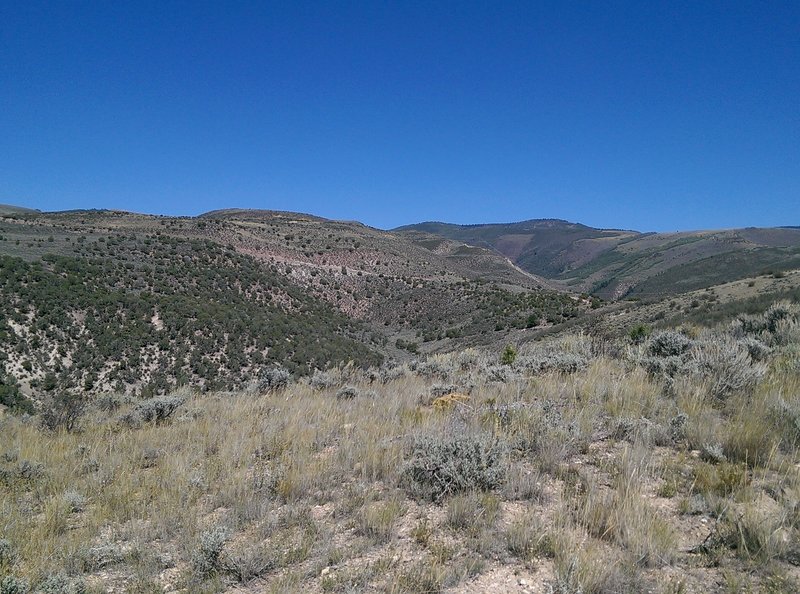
<point>604,473</point>
<point>232,428</point>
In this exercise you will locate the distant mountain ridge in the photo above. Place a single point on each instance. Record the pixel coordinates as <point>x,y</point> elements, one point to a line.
<point>611,263</point>
<point>615,263</point>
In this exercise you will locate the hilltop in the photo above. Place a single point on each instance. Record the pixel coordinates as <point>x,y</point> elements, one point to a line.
<point>11,209</point>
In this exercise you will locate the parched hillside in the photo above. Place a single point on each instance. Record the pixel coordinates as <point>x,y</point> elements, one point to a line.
<point>155,313</point>
<point>614,264</point>
<point>101,300</point>
<point>665,464</point>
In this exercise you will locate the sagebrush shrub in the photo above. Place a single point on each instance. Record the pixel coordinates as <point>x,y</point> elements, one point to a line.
<point>249,562</point>
<point>433,369</point>
<point>777,313</point>
<point>668,343</point>
<point>13,585</point>
<point>786,417</point>
<point>346,393</point>
<point>155,410</point>
<point>437,390</point>
<point>677,426</point>
<point>61,584</point>
<point>668,367</point>
<point>8,556</point>
<point>24,473</point>
<point>467,360</point>
<point>109,403</point>
<point>101,556</point>
<point>787,332</point>
<point>758,350</point>
<point>777,325</point>
<point>321,380</point>
<point>553,360</point>
<point>439,466</point>
<point>713,453</point>
<point>273,380</point>
<point>74,501</point>
<point>388,373</point>
<point>728,366</point>
<point>501,374</point>
<point>206,558</point>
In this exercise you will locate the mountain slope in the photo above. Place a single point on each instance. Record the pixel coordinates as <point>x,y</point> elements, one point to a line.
<point>160,312</point>
<point>541,246</point>
<point>100,300</point>
<point>614,264</point>
<point>10,209</point>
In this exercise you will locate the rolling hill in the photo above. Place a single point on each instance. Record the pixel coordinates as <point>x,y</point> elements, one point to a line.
<point>615,264</point>
<point>100,300</point>
<point>103,300</point>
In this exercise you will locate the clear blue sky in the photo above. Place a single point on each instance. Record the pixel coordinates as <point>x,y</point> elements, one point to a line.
<point>654,116</point>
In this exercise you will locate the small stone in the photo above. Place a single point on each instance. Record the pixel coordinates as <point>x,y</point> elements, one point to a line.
<point>325,571</point>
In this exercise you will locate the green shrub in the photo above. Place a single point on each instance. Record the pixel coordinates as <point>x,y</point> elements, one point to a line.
<point>639,333</point>
<point>11,396</point>
<point>509,355</point>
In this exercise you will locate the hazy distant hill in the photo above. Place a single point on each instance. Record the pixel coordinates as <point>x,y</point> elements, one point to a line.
<point>10,209</point>
<point>615,263</point>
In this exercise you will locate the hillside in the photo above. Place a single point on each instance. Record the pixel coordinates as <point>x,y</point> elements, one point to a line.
<point>614,264</point>
<point>668,465</point>
<point>11,209</point>
<point>102,300</point>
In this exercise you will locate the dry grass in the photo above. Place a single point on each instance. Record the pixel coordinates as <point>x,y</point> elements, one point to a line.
<point>605,481</point>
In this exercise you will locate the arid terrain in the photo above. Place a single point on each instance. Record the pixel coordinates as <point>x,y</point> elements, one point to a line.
<point>253,401</point>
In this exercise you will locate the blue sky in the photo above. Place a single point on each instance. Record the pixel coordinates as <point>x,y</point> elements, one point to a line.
<point>654,116</point>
